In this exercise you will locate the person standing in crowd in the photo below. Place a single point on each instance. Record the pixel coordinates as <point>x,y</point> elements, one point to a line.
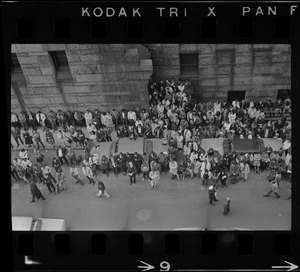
<point>75,174</point>
<point>61,154</point>
<point>105,165</point>
<point>206,177</point>
<point>56,164</point>
<point>173,168</point>
<point>88,116</point>
<point>31,120</point>
<point>87,171</point>
<point>101,190</point>
<point>226,206</point>
<point>81,137</point>
<point>23,154</point>
<point>49,138</point>
<point>41,119</point>
<point>48,183</point>
<point>273,189</point>
<point>154,176</point>
<point>215,178</point>
<point>79,119</point>
<point>37,172</point>
<point>23,120</point>
<point>37,138</point>
<point>14,120</point>
<point>62,181</point>
<point>223,177</point>
<point>53,119</point>
<point>212,193</point>
<point>256,162</point>
<point>38,155</point>
<point>62,119</point>
<point>28,138</point>
<point>132,172</point>
<point>137,162</point>
<point>46,170</point>
<point>71,155</point>
<point>114,164</point>
<point>35,192</point>
<point>16,133</point>
<point>145,170</point>
<point>13,171</point>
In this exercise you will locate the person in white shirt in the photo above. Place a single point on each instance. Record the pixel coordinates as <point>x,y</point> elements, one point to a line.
<point>41,118</point>
<point>131,116</point>
<point>14,120</point>
<point>23,154</point>
<point>88,117</point>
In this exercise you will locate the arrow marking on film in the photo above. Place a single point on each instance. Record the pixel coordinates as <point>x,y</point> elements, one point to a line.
<point>29,262</point>
<point>146,267</point>
<point>290,266</point>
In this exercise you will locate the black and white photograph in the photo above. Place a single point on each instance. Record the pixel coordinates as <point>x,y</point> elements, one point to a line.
<point>133,137</point>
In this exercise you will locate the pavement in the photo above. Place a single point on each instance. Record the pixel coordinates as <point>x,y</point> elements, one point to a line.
<point>174,204</point>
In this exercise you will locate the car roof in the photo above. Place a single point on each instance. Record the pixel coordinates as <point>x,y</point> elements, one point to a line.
<point>126,145</point>
<point>52,224</point>
<point>21,222</point>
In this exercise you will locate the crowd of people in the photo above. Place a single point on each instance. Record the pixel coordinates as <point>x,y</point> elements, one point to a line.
<point>172,117</point>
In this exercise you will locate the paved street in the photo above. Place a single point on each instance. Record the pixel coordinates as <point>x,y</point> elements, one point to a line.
<point>175,204</point>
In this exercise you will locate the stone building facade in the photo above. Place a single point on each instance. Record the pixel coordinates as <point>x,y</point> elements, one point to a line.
<point>260,70</point>
<point>116,75</point>
<point>99,77</point>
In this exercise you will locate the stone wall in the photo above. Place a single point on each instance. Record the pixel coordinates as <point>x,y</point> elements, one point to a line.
<point>259,69</point>
<point>103,77</point>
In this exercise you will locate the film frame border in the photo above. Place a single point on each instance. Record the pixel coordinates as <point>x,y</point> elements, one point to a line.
<point>226,242</point>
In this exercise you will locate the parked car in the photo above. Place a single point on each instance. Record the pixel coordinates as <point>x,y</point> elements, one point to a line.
<point>27,223</point>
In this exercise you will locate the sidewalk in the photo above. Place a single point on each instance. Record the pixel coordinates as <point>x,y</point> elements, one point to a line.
<point>56,139</point>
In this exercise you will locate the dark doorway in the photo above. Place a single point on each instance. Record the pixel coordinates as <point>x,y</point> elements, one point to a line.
<point>283,94</point>
<point>232,95</point>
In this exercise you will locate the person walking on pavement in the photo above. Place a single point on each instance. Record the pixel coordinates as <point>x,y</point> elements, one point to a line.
<point>87,171</point>
<point>206,177</point>
<point>37,138</point>
<point>212,193</point>
<point>23,154</point>
<point>13,171</point>
<point>48,183</point>
<point>273,189</point>
<point>132,172</point>
<point>101,190</point>
<point>226,206</point>
<point>114,164</point>
<point>75,174</point>
<point>16,133</point>
<point>35,192</point>
<point>37,172</point>
<point>61,154</point>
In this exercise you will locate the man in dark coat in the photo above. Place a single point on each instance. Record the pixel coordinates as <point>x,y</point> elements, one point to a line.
<point>121,159</point>
<point>137,162</point>
<point>61,154</point>
<point>132,173</point>
<point>35,192</point>
<point>212,195</point>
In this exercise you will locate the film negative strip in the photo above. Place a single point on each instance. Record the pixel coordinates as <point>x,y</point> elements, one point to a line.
<point>89,81</point>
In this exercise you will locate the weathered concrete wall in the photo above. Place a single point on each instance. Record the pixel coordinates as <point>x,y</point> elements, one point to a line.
<point>103,77</point>
<point>258,69</point>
